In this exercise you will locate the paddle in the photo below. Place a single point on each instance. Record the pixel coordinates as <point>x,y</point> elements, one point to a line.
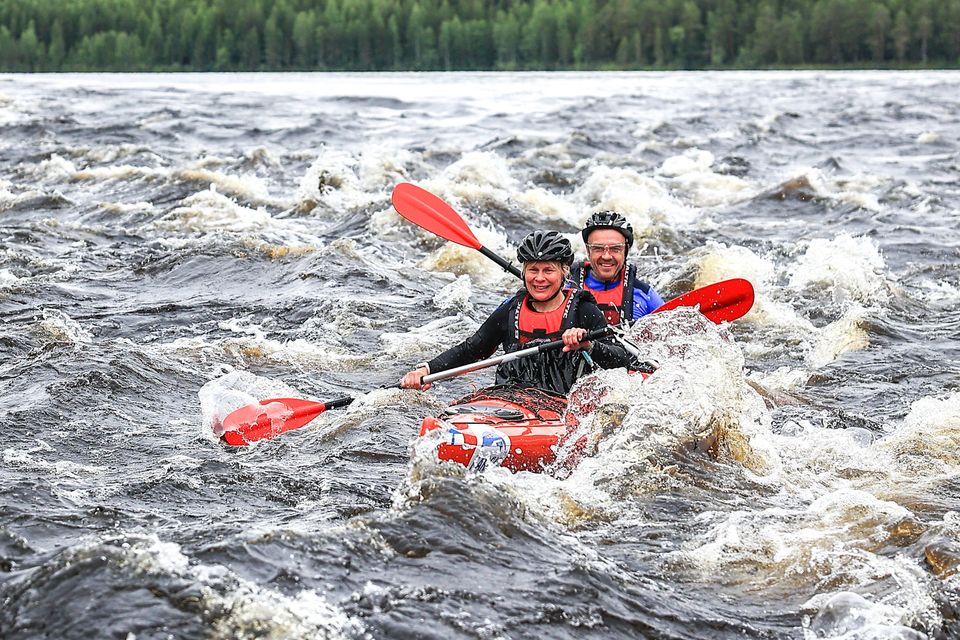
<point>272,417</point>
<point>720,302</point>
<point>426,210</point>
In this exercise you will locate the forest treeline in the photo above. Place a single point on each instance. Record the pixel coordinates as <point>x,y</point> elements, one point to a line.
<point>362,35</point>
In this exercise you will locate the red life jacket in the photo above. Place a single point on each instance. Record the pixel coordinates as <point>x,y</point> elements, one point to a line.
<point>553,371</point>
<point>534,325</point>
<point>611,301</point>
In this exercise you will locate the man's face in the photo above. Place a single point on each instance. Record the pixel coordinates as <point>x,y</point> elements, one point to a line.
<point>606,251</point>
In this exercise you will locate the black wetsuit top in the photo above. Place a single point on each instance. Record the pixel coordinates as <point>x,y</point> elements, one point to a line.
<point>553,371</point>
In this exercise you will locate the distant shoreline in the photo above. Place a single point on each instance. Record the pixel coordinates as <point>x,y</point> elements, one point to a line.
<point>809,68</point>
<point>161,36</point>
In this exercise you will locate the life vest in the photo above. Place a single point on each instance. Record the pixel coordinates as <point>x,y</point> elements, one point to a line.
<point>530,325</point>
<point>553,371</point>
<point>616,302</point>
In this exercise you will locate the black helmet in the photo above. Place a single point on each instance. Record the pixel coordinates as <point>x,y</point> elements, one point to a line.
<point>545,246</point>
<point>608,220</point>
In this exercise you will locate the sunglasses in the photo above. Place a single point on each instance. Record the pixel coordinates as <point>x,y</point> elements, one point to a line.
<point>612,249</point>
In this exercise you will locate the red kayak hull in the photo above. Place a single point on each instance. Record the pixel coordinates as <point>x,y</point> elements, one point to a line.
<point>519,429</point>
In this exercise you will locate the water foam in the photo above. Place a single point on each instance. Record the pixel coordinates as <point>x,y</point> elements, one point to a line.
<point>927,443</point>
<point>58,327</point>
<point>836,516</point>
<point>248,187</point>
<point>632,433</point>
<point>209,210</point>
<point>31,460</point>
<point>340,181</point>
<point>854,190</point>
<point>118,172</point>
<point>54,169</point>
<point>550,206</point>
<point>691,176</point>
<point>716,261</point>
<point>850,268</point>
<point>231,391</point>
<point>10,111</point>
<point>124,208</point>
<point>10,199</point>
<point>641,199</point>
<point>8,279</point>
<point>458,295</point>
<point>844,335</point>
<point>328,355</point>
<point>482,168</point>
<point>233,606</point>
<point>850,265</point>
<point>427,340</point>
<point>849,616</point>
<point>444,256</point>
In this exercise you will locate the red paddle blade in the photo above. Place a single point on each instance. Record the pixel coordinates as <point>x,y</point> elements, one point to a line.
<point>268,419</point>
<point>426,210</point>
<point>721,302</point>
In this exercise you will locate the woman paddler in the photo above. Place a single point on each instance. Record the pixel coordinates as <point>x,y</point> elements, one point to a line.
<point>542,311</point>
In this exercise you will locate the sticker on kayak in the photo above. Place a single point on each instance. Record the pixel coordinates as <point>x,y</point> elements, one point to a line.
<point>490,447</point>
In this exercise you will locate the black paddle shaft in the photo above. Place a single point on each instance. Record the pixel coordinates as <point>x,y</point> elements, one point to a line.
<point>590,336</point>
<point>507,266</point>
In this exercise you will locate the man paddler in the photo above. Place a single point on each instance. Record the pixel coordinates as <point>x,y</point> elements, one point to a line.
<point>606,273</point>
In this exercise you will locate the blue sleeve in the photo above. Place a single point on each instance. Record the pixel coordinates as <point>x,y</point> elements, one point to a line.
<point>645,302</point>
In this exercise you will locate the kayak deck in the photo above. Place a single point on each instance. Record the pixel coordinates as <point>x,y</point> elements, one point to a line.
<point>519,429</point>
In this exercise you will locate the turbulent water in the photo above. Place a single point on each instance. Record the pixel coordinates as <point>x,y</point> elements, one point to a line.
<point>172,244</point>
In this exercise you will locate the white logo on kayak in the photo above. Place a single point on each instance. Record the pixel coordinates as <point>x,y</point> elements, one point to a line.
<point>491,450</point>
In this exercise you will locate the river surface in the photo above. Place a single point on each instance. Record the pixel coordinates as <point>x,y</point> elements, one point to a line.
<point>171,243</point>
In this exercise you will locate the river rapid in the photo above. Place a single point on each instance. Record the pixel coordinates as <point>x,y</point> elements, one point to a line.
<point>171,243</point>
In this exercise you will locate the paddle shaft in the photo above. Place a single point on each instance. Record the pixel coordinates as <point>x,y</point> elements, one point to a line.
<point>509,268</point>
<point>264,420</point>
<point>507,357</point>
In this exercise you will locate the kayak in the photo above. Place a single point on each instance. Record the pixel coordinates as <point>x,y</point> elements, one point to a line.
<point>520,429</point>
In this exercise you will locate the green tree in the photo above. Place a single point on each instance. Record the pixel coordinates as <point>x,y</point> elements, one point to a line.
<point>128,52</point>
<point>951,31</point>
<point>506,35</point>
<point>396,48</point>
<point>924,27</point>
<point>692,49</point>
<point>9,49</point>
<point>901,35</point>
<point>32,51</point>
<point>58,46</point>
<point>879,26</point>
<point>538,40</point>
<point>765,34</point>
<point>304,39</point>
<point>250,53</point>
<point>272,43</point>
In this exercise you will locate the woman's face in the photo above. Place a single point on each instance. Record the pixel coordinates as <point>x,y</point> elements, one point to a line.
<point>543,279</point>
